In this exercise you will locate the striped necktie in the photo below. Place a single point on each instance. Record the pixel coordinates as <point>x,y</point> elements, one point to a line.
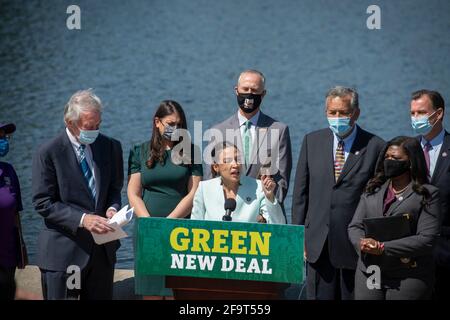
<point>339,160</point>
<point>247,142</point>
<point>87,172</point>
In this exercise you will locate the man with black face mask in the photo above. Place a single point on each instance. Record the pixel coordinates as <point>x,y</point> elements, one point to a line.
<point>264,143</point>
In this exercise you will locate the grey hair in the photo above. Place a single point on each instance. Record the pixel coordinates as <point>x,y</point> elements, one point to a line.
<point>259,73</point>
<point>342,92</point>
<point>82,101</point>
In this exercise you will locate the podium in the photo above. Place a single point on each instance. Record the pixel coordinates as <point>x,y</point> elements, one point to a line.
<point>190,288</point>
<point>216,260</point>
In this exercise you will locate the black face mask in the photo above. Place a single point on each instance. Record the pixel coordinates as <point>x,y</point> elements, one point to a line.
<point>255,98</point>
<point>395,168</point>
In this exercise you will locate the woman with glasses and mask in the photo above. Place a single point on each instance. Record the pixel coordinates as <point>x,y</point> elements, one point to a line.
<point>12,249</point>
<point>400,268</point>
<point>158,184</point>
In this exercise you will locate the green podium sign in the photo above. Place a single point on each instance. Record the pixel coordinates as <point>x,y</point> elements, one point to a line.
<point>215,249</point>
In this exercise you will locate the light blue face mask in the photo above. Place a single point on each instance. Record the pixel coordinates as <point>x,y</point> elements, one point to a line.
<point>88,136</point>
<point>422,125</point>
<point>340,126</point>
<point>4,147</point>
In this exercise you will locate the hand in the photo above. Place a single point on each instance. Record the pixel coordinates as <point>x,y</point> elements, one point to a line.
<point>260,219</point>
<point>111,212</point>
<point>371,246</point>
<point>268,187</point>
<point>96,224</point>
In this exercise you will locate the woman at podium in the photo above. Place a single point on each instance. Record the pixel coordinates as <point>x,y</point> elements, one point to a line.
<point>232,196</point>
<point>395,227</point>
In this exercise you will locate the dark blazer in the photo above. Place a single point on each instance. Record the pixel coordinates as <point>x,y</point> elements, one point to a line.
<point>418,248</point>
<point>441,179</point>
<point>264,151</point>
<point>61,195</point>
<point>324,206</point>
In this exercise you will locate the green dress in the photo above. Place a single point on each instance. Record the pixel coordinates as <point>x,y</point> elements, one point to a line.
<point>164,186</point>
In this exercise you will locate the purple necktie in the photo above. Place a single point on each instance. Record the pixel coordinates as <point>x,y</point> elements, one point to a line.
<point>426,152</point>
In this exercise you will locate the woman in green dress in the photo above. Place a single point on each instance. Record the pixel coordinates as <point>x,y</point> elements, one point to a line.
<point>157,186</point>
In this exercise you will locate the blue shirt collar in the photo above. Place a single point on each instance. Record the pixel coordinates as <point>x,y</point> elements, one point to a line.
<point>438,140</point>
<point>253,120</point>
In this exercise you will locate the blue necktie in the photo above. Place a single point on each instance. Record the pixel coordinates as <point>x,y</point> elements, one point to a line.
<point>87,172</point>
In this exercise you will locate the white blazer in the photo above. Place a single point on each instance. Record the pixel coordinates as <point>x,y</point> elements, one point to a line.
<point>209,202</point>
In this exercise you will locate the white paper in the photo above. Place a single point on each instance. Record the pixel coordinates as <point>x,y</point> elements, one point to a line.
<point>120,219</point>
<point>123,216</point>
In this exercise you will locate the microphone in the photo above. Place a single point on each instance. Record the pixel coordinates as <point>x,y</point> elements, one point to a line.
<point>230,206</point>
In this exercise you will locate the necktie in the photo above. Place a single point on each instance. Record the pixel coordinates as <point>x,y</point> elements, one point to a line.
<point>247,142</point>
<point>426,152</point>
<point>87,172</point>
<point>339,160</point>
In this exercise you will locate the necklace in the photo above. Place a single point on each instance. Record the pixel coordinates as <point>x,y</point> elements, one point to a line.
<point>400,191</point>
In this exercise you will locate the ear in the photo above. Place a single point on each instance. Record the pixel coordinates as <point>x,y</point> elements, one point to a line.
<point>355,115</point>
<point>215,167</point>
<point>236,90</point>
<point>440,114</point>
<point>263,94</point>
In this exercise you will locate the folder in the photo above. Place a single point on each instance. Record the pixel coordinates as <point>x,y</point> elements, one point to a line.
<point>388,228</point>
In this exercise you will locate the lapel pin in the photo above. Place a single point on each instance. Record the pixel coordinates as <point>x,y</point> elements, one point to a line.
<point>356,153</point>
<point>444,154</point>
<point>400,198</point>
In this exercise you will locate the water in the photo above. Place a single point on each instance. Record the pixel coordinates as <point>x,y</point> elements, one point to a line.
<point>137,53</point>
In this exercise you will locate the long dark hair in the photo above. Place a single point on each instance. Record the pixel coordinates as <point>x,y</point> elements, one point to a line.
<point>418,167</point>
<point>157,152</point>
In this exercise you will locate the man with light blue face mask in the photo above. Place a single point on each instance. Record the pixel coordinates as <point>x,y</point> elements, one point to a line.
<point>427,116</point>
<point>77,180</point>
<point>334,166</point>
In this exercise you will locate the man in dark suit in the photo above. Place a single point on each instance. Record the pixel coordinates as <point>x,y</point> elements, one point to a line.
<point>264,143</point>
<point>333,168</point>
<point>427,116</point>
<point>77,179</point>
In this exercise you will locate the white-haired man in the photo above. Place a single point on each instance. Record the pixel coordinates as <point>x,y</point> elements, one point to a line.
<point>77,179</point>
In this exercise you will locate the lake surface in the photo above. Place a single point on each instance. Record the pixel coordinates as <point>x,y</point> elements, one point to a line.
<point>137,53</point>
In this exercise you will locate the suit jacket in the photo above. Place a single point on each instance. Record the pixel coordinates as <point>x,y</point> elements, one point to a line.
<point>441,179</point>
<point>209,202</point>
<point>61,195</point>
<point>325,206</point>
<point>415,250</point>
<point>272,150</point>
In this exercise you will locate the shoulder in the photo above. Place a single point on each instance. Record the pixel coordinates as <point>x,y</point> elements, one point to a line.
<point>210,182</point>
<point>434,191</point>
<point>371,138</point>
<point>7,168</point>
<point>210,186</point>
<point>53,145</point>
<point>318,134</point>
<point>109,140</point>
<point>269,122</point>
<point>135,150</point>
<point>227,123</point>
